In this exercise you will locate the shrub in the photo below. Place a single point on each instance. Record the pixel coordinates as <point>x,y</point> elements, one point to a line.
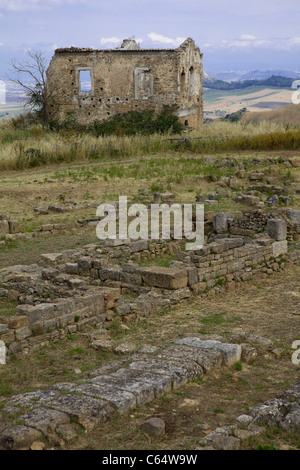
<point>139,122</point>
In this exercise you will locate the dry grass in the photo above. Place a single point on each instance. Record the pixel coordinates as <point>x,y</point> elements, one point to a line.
<point>287,115</point>
<point>33,146</point>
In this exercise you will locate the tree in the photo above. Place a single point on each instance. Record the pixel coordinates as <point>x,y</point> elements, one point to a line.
<point>31,76</point>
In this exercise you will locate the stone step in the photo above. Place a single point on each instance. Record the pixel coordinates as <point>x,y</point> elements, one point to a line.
<point>58,414</point>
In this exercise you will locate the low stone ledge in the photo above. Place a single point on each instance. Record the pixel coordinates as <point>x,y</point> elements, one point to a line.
<point>94,400</point>
<point>167,278</point>
<point>231,352</point>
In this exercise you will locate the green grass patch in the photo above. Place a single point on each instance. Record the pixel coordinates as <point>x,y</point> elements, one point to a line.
<point>7,308</point>
<point>219,319</point>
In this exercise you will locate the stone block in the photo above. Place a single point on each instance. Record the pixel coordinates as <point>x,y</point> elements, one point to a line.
<point>50,259</point>
<point>279,248</point>
<point>40,312</point>
<point>294,216</point>
<point>154,427</point>
<point>185,356</point>
<point>99,263</point>
<point>4,228</point>
<point>139,245</point>
<point>220,222</point>
<point>19,437</point>
<point>192,275</point>
<point>256,176</point>
<point>180,294</point>
<point>122,400</point>
<point>117,242</point>
<point>111,295</point>
<point>23,333</point>
<point>231,352</point>
<point>84,265</point>
<point>72,268</point>
<point>199,287</point>
<point>110,272</point>
<point>130,278</point>
<point>249,200</point>
<point>47,228</point>
<point>8,337</point>
<point>160,383</point>
<point>88,411</point>
<point>143,392</point>
<point>64,306</point>
<point>14,226</point>
<point>4,328</point>
<point>178,375</point>
<point>276,229</point>
<point>45,420</point>
<point>167,278</point>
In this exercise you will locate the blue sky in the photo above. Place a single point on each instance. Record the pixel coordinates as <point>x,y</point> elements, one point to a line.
<point>233,34</point>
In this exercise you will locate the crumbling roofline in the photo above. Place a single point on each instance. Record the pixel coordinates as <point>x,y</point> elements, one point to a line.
<point>122,51</point>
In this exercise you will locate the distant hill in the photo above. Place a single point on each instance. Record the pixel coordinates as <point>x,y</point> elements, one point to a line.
<point>228,76</point>
<point>274,81</point>
<point>255,75</point>
<point>14,93</point>
<point>263,75</point>
<point>208,78</point>
<point>287,114</point>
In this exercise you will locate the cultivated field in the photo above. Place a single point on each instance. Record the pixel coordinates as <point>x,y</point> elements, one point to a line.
<point>255,99</point>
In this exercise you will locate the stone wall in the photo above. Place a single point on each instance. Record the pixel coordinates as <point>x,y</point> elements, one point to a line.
<point>8,227</point>
<point>126,79</point>
<point>103,281</point>
<point>253,221</point>
<point>34,326</point>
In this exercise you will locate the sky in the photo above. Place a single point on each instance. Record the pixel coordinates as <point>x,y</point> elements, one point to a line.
<point>234,35</point>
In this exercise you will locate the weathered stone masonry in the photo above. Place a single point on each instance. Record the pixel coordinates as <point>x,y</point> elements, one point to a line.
<point>125,79</point>
<point>69,290</point>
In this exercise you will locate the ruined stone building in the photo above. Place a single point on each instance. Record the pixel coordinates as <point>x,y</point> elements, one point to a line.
<point>96,84</point>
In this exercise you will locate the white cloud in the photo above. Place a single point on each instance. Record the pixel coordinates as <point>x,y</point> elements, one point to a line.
<point>165,40</point>
<point>248,37</point>
<point>294,41</point>
<point>24,5</point>
<point>247,41</point>
<point>111,40</point>
<point>116,41</point>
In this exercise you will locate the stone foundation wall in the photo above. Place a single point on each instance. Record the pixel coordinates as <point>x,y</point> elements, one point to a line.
<point>102,282</point>
<point>255,221</point>
<point>34,326</point>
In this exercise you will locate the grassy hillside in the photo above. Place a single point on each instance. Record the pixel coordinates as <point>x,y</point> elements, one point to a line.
<point>281,82</point>
<point>286,115</point>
